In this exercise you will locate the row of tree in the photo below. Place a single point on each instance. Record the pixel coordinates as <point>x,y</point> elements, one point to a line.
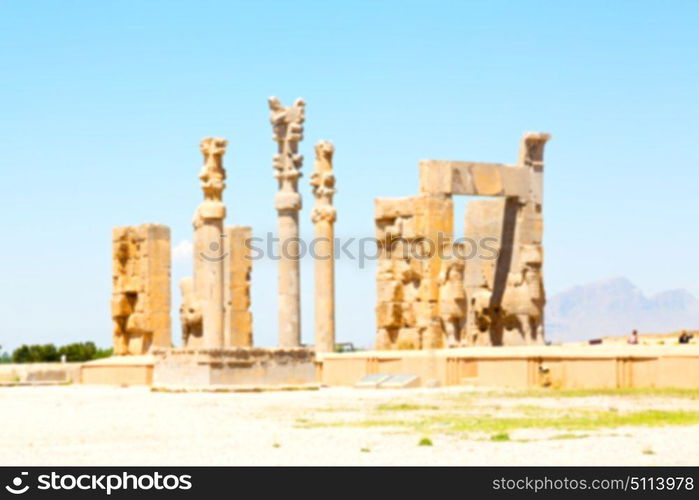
<point>79,351</point>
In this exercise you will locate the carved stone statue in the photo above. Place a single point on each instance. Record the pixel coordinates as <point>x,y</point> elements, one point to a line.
<point>452,300</point>
<point>524,299</point>
<point>190,311</point>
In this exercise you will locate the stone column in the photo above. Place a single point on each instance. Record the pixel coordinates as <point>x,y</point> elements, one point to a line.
<point>531,157</point>
<point>528,258</point>
<point>287,123</point>
<point>209,247</point>
<point>323,217</point>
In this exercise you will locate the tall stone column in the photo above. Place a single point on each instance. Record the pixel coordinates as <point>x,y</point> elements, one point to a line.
<point>528,251</point>
<point>287,123</point>
<point>323,217</point>
<point>208,245</point>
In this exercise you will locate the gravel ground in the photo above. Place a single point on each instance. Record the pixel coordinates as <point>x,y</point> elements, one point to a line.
<point>91,425</point>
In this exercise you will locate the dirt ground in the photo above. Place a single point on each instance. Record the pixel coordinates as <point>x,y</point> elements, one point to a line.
<point>91,425</point>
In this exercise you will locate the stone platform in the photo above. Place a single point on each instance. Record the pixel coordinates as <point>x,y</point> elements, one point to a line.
<point>118,370</point>
<point>236,367</point>
<point>13,374</point>
<point>565,367</point>
<point>260,369</point>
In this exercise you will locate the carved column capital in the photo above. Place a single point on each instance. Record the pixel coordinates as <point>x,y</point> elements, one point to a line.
<point>531,151</point>
<point>323,213</point>
<point>323,183</point>
<point>212,172</point>
<point>287,128</point>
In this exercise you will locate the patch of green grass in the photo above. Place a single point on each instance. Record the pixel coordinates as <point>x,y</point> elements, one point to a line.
<point>425,442</point>
<point>307,424</point>
<point>276,445</point>
<point>569,435</point>
<point>365,450</point>
<point>404,407</point>
<point>500,436</point>
<point>675,392</point>
<point>564,420</point>
<point>579,420</point>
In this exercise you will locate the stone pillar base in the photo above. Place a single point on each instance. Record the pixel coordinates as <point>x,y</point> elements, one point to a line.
<point>258,367</point>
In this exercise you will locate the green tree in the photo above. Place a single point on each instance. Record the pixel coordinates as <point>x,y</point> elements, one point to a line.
<point>35,353</point>
<point>84,351</point>
<point>104,353</point>
<point>76,352</point>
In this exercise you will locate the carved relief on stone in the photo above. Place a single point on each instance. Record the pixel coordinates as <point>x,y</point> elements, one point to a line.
<point>406,313</point>
<point>140,288</point>
<point>523,301</point>
<point>480,315</point>
<point>413,235</point>
<point>502,299</point>
<point>190,311</point>
<point>452,300</point>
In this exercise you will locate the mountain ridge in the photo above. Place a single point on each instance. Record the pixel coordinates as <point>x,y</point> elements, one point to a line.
<point>615,306</point>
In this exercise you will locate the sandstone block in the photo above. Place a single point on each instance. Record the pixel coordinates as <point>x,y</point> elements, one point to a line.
<point>141,288</point>
<point>392,208</point>
<point>237,279</point>
<point>389,291</point>
<point>388,314</point>
<point>408,338</point>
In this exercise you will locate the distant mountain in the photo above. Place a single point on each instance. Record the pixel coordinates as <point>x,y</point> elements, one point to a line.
<point>615,307</point>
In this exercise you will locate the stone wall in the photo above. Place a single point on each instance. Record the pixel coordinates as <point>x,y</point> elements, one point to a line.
<point>411,233</point>
<point>564,367</point>
<point>28,373</point>
<point>238,270</point>
<point>234,367</point>
<point>141,288</point>
<point>452,296</point>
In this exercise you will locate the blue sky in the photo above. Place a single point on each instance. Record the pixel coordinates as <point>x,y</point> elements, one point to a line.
<point>102,106</point>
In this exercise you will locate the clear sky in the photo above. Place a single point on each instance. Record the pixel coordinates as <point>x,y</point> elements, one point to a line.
<point>103,104</point>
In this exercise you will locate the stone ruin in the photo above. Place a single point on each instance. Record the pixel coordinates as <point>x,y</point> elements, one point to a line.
<point>323,218</point>
<point>287,126</point>
<point>432,291</point>
<point>215,301</point>
<point>215,317</point>
<point>140,288</point>
<point>214,313</point>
